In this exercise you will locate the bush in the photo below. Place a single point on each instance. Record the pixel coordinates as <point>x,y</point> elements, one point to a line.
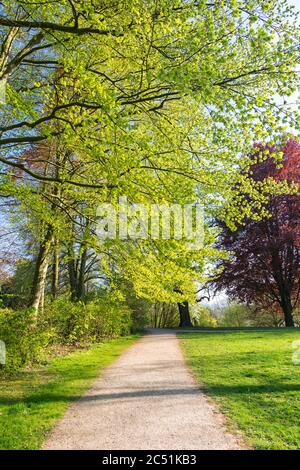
<point>202,317</point>
<point>109,318</point>
<point>63,322</point>
<point>235,315</point>
<point>83,323</point>
<point>24,341</point>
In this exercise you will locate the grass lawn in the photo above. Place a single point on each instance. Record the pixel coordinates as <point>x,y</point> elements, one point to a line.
<point>252,378</point>
<point>32,401</point>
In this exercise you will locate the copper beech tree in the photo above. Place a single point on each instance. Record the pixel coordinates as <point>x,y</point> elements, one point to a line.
<point>264,266</point>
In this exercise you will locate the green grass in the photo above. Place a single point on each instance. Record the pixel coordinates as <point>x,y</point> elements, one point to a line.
<point>252,378</point>
<point>32,401</point>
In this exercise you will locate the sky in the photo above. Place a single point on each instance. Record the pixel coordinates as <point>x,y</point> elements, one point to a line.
<point>296,3</point>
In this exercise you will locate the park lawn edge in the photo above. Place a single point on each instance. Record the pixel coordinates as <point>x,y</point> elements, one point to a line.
<point>267,439</point>
<point>230,424</point>
<point>33,401</point>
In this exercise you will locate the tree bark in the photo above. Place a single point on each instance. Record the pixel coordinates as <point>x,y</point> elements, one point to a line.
<point>41,268</point>
<point>287,308</point>
<point>55,271</point>
<point>184,313</point>
<point>76,271</point>
<point>80,291</point>
<point>72,278</point>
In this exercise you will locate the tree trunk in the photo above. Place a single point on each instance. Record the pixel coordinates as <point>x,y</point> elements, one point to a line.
<point>155,310</point>
<point>55,271</point>
<point>41,268</point>
<point>73,279</point>
<point>80,291</point>
<point>287,308</point>
<point>42,300</point>
<point>77,275</point>
<point>184,313</point>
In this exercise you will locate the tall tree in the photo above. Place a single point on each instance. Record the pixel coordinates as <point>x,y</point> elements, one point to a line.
<point>264,261</point>
<point>152,100</point>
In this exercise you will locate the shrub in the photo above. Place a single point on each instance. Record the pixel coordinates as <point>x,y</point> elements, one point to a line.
<point>141,310</point>
<point>24,341</point>
<point>235,315</point>
<point>63,322</point>
<point>76,322</point>
<point>110,318</point>
<point>202,316</point>
<point>68,320</point>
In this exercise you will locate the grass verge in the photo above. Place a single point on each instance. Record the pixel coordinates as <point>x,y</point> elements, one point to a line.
<point>32,401</point>
<point>252,377</point>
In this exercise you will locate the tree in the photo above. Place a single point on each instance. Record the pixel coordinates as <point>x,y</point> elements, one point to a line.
<point>184,314</point>
<point>164,315</point>
<point>264,255</point>
<point>235,315</point>
<point>202,316</point>
<point>152,101</point>
<point>98,68</point>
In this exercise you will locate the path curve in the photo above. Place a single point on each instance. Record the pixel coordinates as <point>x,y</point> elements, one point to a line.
<point>146,400</point>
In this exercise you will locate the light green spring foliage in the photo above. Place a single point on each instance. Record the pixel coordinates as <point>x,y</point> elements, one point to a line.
<point>158,101</point>
<point>202,316</point>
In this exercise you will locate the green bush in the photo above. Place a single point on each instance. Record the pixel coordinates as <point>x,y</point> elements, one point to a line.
<point>24,341</point>
<point>202,317</point>
<point>110,318</point>
<point>83,323</point>
<point>63,322</point>
<point>235,315</point>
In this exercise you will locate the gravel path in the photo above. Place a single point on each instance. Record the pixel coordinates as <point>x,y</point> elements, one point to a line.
<point>146,400</point>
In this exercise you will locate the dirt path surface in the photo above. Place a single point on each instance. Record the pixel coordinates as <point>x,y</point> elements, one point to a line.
<point>146,400</point>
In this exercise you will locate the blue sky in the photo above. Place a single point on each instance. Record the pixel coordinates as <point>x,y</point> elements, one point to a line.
<point>296,3</point>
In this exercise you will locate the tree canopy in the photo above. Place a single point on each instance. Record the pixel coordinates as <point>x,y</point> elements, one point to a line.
<point>158,101</point>
<point>264,256</point>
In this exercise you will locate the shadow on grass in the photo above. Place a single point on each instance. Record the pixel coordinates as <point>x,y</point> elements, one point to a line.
<point>226,390</point>
<point>52,382</point>
<point>63,395</point>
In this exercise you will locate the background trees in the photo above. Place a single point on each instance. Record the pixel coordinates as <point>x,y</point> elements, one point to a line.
<point>155,102</point>
<point>264,256</point>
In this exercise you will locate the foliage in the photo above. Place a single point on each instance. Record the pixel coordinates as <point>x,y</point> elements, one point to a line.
<point>79,323</point>
<point>164,315</point>
<point>202,316</point>
<point>263,264</point>
<point>155,102</point>
<point>63,322</point>
<point>254,381</point>
<point>271,317</point>
<point>140,310</point>
<point>158,103</point>
<point>235,315</point>
<point>23,339</point>
<point>16,291</point>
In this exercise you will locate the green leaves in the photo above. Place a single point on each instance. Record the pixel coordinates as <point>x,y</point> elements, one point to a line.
<point>156,102</point>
